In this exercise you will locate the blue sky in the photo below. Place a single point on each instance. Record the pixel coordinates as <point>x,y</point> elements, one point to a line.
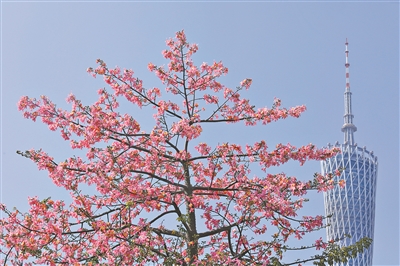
<point>291,50</point>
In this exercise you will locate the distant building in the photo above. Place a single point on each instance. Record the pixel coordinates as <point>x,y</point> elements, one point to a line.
<point>353,207</point>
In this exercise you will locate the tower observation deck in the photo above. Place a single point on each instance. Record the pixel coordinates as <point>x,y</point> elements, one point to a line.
<point>352,207</point>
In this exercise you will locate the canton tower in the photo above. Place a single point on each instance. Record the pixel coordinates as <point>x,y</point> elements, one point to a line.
<point>352,207</point>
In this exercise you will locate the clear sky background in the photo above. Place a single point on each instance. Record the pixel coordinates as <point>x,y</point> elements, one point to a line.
<point>291,50</point>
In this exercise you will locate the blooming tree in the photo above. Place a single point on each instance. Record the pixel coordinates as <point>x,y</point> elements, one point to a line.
<point>163,197</point>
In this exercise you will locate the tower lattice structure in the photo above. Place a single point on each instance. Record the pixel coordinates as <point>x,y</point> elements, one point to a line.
<point>352,207</point>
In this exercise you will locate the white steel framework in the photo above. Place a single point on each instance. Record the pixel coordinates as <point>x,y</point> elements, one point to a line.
<point>352,207</point>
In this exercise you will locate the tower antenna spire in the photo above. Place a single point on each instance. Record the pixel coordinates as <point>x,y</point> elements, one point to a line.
<point>348,127</point>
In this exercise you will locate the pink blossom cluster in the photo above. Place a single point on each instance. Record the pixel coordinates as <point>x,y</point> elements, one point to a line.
<point>145,180</point>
